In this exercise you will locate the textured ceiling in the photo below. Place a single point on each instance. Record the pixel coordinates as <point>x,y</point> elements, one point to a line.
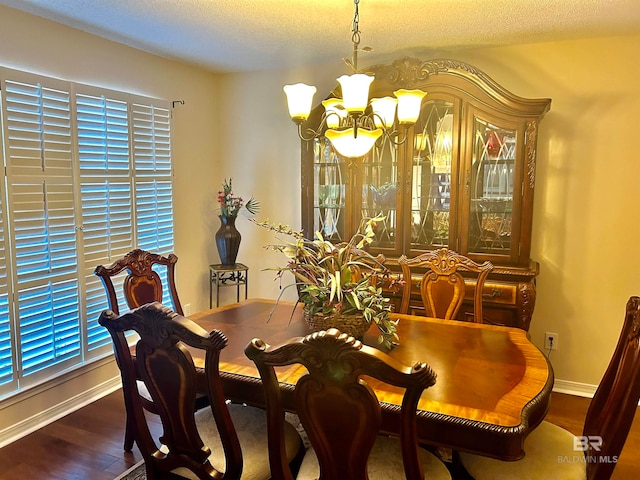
<point>241,35</point>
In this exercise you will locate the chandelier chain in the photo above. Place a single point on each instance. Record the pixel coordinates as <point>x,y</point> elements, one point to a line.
<point>355,37</point>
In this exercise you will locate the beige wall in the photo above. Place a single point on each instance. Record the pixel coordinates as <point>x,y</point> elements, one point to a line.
<point>587,194</point>
<point>237,126</point>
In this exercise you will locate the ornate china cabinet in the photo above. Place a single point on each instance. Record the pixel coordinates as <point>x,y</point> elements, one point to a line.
<point>462,177</point>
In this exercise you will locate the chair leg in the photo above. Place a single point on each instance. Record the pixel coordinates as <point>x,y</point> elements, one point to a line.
<point>128,434</point>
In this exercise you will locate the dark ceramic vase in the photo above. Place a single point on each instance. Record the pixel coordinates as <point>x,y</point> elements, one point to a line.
<point>228,240</point>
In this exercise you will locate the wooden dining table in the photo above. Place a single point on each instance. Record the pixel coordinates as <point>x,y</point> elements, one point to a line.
<point>493,385</point>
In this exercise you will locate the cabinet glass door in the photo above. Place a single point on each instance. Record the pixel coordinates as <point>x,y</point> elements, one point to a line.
<point>329,184</point>
<point>491,191</point>
<point>380,190</point>
<point>431,174</point>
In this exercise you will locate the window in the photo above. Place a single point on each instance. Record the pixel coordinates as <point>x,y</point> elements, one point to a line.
<point>88,177</point>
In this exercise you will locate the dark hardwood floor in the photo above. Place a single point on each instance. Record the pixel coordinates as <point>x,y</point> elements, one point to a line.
<point>84,445</point>
<point>87,444</point>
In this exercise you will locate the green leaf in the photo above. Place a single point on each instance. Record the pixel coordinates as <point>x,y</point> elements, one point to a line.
<point>356,300</point>
<point>253,206</point>
<point>332,280</point>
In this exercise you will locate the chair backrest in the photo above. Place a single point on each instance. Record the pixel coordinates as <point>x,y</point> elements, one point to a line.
<point>165,365</point>
<point>142,284</point>
<point>337,408</point>
<point>442,286</point>
<point>615,402</point>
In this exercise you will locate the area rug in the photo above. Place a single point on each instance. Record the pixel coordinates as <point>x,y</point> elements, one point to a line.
<point>136,472</point>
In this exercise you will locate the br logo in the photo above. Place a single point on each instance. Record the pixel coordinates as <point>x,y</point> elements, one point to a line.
<point>582,443</point>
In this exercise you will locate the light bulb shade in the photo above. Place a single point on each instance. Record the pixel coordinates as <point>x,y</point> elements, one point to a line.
<point>420,142</point>
<point>355,91</point>
<point>409,102</point>
<point>384,110</point>
<point>335,112</point>
<point>353,147</point>
<point>299,99</point>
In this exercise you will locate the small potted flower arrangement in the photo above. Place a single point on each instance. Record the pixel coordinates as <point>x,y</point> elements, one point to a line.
<point>338,285</point>
<point>228,237</point>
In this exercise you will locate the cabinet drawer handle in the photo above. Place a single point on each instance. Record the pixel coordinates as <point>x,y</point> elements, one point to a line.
<point>494,293</point>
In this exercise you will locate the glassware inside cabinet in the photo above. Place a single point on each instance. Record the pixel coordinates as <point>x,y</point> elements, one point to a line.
<point>431,175</point>
<point>329,191</point>
<point>380,190</point>
<point>492,188</point>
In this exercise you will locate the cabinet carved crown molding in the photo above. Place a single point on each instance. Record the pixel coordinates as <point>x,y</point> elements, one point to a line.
<point>408,71</point>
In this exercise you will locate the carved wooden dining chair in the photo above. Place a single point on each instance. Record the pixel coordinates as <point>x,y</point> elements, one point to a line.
<point>442,285</point>
<point>141,285</point>
<point>551,451</point>
<point>200,444</point>
<point>340,412</point>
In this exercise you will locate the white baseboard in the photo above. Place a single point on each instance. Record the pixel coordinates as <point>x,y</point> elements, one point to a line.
<point>31,424</point>
<point>574,388</point>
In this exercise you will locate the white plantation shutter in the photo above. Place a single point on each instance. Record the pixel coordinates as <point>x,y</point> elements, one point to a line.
<point>78,159</point>
<point>151,134</point>
<point>106,193</point>
<point>153,176</point>
<point>8,376</point>
<point>37,122</point>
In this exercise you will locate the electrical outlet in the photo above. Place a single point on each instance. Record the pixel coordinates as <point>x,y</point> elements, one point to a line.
<point>550,341</point>
<point>187,309</point>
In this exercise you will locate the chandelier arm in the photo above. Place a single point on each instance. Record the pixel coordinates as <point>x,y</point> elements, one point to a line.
<point>374,115</point>
<point>394,136</point>
<point>395,133</point>
<point>312,134</point>
<point>368,121</point>
<point>391,134</point>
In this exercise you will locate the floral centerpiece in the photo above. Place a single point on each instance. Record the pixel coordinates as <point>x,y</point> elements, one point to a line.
<point>228,237</point>
<point>338,282</point>
<point>231,204</point>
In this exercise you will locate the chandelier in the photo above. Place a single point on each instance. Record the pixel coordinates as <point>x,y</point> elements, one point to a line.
<point>353,122</point>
